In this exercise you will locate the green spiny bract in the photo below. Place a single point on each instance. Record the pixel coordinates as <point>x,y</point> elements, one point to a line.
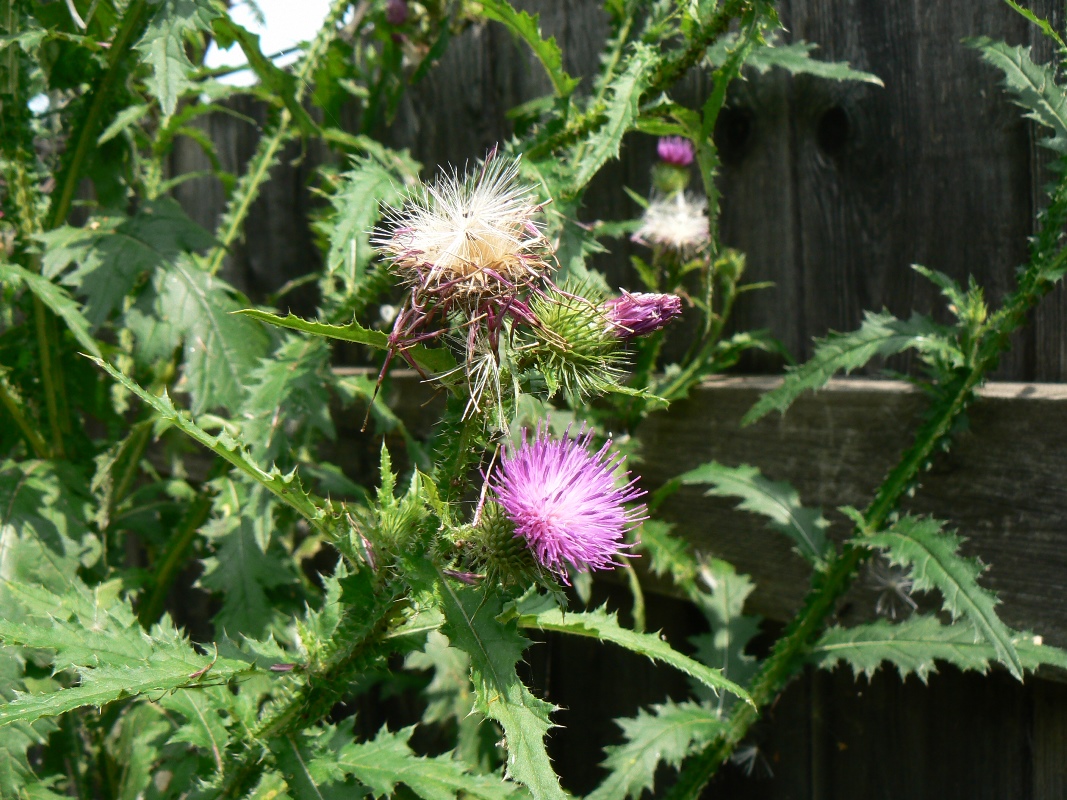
<point>493,548</point>
<point>574,346</point>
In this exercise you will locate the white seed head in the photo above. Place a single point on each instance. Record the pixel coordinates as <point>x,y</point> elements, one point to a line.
<point>469,235</point>
<point>677,222</point>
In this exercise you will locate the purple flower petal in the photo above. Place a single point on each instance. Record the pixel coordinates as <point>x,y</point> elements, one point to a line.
<point>565,502</point>
<point>675,150</point>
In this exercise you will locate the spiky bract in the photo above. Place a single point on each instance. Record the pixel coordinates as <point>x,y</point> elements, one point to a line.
<point>573,344</point>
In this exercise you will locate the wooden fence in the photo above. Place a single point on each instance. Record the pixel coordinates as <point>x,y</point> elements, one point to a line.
<point>832,190</point>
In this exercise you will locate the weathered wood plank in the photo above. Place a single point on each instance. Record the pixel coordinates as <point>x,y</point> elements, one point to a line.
<point>1001,485</point>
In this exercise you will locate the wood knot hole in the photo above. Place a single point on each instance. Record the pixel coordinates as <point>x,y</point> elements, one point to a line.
<point>832,130</point>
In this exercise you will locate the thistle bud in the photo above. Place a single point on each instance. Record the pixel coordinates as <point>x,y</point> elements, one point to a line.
<point>671,175</point>
<point>641,313</point>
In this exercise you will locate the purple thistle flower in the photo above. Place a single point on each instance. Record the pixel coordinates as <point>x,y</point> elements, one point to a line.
<point>675,150</point>
<point>564,501</point>
<point>641,313</point>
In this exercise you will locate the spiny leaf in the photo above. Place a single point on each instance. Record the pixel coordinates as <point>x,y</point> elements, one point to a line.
<point>387,760</point>
<point>665,736</point>
<point>935,563</point>
<point>97,635</point>
<point>776,500</point>
<point>205,727</point>
<point>112,258</point>
<point>604,626</point>
<point>221,348</point>
<point>285,487</point>
<point>794,57</point>
<point>495,648</point>
<point>670,554</point>
<point>879,335</point>
<point>280,86</point>
<point>620,113</point>
<point>56,299</point>
<point>528,28</point>
<point>308,777</point>
<point>163,48</point>
<point>370,183</point>
<point>437,360</point>
<point>1033,86</point>
<point>243,568</point>
<point>288,402</point>
<point>731,630</point>
<point>913,646</point>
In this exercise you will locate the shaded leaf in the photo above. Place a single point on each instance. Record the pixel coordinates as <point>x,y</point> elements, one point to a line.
<point>776,500</point>
<point>879,335</point>
<point>1032,86</point>
<point>604,626</point>
<point>666,735</point>
<point>915,644</point>
<point>528,28</point>
<point>935,563</point>
<point>495,649</point>
<point>56,299</point>
<point>163,48</point>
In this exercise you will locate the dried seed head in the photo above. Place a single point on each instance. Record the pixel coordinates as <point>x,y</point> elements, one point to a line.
<point>677,222</point>
<point>469,238</point>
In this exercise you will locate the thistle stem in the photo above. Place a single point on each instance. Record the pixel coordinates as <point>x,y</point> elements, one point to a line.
<point>37,443</point>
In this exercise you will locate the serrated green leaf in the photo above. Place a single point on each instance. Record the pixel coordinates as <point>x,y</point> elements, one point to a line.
<point>604,627</point>
<point>879,335</point>
<point>776,500</point>
<point>495,648</point>
<point>308,777</point>
<point>97,635</point>
<point>667,735</point>
<point>205,726</point>
<point>56,299</point>
<point>935,563</point>
<point>915,644</point>
<point>163,48</point>
<point>116,256</point>
<point>242,568</point>
<point>723,605</point>
<point>288,403</point>
<point>670,554</point>
<point>528,28</point>
<point>387,760</point>
<point>1032,86</point>
<point>281,86</point>
<point>285,487</point>
<point>221,348</point>
<point>620,112</point>
<point>795,58</point>
<point>371,183</point>
<point>434,360</point>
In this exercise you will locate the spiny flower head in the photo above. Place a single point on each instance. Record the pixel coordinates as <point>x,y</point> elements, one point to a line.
<point>675,150</point>
<point>641,313</point>
<point>468,238</point>
<point>676,222</point>
<point>566,501</point>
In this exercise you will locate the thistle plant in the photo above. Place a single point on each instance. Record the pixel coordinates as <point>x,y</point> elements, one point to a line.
<point>322,584</point>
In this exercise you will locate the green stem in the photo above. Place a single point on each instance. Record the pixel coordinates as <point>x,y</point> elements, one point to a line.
<point>263,159</point>
<point>669,72</point>
<point>174,558</point>
<point>49,379</point>
<point>37,443</point>
<point>828,586</point>
<point>133,23</point>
